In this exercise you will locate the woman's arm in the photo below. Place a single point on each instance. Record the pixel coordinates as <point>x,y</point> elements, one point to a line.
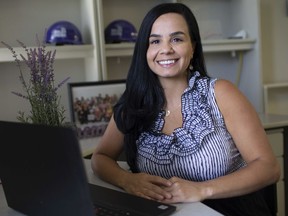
<point>244,125</point>
<point>104,158</point>
<point>104,164</point>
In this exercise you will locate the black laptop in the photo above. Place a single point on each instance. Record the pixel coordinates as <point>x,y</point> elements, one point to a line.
<point>42,173</point>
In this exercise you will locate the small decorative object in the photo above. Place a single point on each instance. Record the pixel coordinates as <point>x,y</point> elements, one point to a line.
<point>40,90</point>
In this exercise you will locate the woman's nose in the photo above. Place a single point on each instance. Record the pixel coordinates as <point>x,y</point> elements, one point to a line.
<point>166,48</point>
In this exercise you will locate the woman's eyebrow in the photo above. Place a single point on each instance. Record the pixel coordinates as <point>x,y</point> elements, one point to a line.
<point>154,35</point>
<point>177,33</point>
<point>172,34</point>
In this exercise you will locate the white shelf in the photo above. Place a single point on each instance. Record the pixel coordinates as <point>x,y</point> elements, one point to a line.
<point>228,45</point>
<point>276,85</point>
<point>270,86</point>
<point>121,49</point>
<point>221,45</point>
<point>62,52</point>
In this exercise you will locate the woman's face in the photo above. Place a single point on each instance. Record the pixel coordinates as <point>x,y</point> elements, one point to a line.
<point>170,49</point>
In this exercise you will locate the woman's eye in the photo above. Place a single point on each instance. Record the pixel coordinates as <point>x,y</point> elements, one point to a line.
<point>177,40</point>
<point>154,41</point>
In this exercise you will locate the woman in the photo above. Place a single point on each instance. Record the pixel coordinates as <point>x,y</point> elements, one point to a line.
<point>187,137</point>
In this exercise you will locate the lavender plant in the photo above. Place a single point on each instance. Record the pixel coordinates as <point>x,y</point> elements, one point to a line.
<point>40,89</point>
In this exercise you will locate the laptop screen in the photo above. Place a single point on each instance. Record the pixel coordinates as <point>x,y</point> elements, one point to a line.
<point>42,170</point>
<point>43,173</point>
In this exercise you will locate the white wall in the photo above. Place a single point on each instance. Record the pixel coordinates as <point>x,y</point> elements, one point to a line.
<point>274,25</point>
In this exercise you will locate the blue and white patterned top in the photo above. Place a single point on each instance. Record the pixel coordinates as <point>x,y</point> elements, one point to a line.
<point>201,149</point>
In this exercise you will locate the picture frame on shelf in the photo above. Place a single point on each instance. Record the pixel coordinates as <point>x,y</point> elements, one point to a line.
<point>91,105</point>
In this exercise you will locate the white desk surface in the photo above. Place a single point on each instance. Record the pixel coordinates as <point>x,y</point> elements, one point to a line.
<point>186,209</point>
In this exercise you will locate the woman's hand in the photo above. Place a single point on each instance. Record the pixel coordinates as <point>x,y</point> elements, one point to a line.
<point>148,186</point>
<point>184,191</point>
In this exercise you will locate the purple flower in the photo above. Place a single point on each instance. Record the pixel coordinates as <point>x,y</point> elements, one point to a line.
<point>40,89</point>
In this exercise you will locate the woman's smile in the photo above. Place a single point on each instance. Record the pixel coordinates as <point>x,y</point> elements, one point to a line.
<point>167,63</point>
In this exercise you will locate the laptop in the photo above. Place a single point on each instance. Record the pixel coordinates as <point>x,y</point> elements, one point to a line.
<point>42,173</point>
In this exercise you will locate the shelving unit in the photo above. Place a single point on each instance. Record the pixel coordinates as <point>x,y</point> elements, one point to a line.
<point>20,21</point>
<point>272,90</point>
<point>209,46</point>
<point>111,61</point>
<point>62,52</point>
<point>229,17</point>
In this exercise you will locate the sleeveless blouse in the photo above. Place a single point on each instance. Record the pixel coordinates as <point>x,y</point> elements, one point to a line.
<point>201,149</point>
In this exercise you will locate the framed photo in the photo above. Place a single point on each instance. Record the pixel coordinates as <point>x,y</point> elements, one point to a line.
<point>91,105</point>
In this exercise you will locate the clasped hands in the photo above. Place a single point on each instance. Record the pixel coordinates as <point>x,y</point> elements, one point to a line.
<point>173,190</point>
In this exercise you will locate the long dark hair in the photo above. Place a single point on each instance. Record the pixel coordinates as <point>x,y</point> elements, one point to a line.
<point>144,98</point>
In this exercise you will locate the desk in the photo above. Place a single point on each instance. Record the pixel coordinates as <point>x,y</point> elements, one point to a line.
<point>88,145</point>
<point>276,127</point>
<point>273,124</point>
<point>186,209</point>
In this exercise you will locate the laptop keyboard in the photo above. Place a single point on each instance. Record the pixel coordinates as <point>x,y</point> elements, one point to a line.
<point>105,211</point>
<point>111,202</point>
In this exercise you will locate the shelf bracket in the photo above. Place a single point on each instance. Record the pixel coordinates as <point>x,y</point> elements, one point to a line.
<point>233,54</point>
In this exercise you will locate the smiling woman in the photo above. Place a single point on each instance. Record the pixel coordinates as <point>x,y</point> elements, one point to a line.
<point>168,50</point>
<point>183,141</point>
